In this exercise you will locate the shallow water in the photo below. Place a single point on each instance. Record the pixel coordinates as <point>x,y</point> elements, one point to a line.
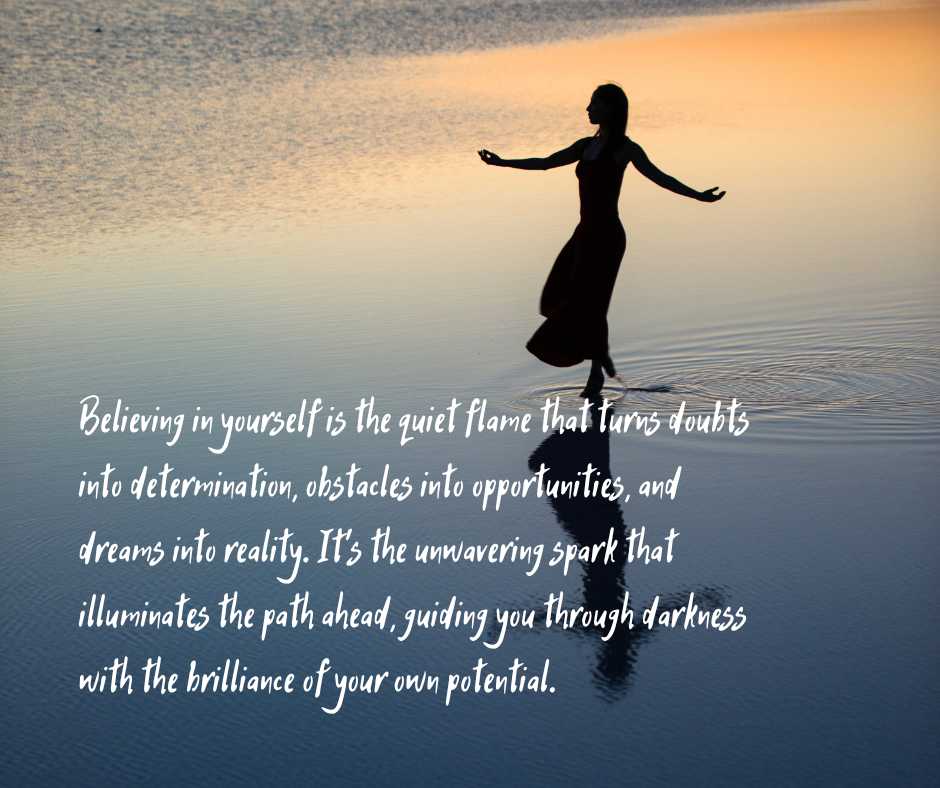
<point>218,208</point>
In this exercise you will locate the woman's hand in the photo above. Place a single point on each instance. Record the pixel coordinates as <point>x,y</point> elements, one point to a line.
<point>710,196</point>
<point>490,158</point>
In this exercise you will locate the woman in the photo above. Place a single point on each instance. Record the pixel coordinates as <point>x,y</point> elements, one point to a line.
<point>577,293</point>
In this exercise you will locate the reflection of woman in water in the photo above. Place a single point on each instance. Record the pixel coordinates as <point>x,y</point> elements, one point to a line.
<point>588,522</point>
<point>577,293</point>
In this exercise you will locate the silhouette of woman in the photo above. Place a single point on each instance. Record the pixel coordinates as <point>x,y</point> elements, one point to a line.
<point>578,290</point>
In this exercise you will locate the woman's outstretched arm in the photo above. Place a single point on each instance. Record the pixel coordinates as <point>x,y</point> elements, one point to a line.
<point>569,155</point>
<point>641,161</point>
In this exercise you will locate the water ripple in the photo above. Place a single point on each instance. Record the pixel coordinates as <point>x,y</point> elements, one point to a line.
<point>859,382</point>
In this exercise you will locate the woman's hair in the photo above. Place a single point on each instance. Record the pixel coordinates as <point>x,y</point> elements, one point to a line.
<point>615,100</point>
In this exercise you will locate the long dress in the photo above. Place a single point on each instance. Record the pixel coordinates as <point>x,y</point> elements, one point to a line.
<point>578,290</point>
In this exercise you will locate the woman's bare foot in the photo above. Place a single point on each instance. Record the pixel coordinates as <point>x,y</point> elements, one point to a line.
<point>609,367</point>
<point>595,381</point>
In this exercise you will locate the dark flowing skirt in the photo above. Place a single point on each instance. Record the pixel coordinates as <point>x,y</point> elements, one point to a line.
<point>577,294</point>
